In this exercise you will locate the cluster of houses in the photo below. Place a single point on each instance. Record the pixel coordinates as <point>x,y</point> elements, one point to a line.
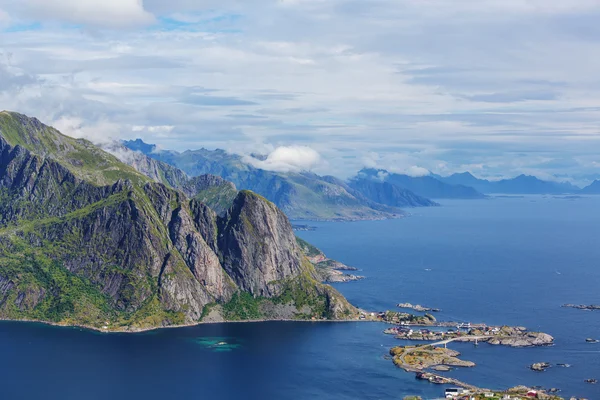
<point>464,394</point>
<point>406,332</point>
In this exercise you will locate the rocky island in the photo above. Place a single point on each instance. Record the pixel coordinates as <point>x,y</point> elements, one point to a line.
<point>494,335</point>
<point>434,357</point>
<point>90,241</point>
<point>417,358</point>
<point>539,367</point>
<point>418,307</point>
<point>592,307</point>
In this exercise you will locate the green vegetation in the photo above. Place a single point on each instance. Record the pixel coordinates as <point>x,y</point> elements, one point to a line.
<point>80,156</point>
<point>218,198</point>
<point>242,307</point>
<point>49,292</point>
<point>308,249</point>
<point>302,292</point>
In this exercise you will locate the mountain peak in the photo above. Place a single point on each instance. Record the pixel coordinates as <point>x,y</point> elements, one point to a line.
<point>81,157</point>
<point>139,145</point>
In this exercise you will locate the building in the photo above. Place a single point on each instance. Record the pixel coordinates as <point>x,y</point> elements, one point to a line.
<point>452,393</point>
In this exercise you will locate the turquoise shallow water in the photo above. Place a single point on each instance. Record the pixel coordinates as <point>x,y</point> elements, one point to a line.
<point>511,261</point>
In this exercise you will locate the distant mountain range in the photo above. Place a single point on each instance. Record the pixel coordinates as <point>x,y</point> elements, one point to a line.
<point>594,188</point>
<point>371,194</point>
<point>522,184</point>
<point>427,186</point>
<point>301,195</point>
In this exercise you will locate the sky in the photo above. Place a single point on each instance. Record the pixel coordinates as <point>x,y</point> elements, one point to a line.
<point>494,87</point>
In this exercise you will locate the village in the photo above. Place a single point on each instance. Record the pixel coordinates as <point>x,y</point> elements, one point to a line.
<point>436,356</point>
<point>461,332</point>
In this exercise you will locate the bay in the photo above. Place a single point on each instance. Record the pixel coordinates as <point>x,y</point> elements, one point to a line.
<point>500,261</point>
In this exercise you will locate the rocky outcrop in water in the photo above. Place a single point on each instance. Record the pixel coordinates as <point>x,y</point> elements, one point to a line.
<point>539,367</point>
<point>583,306</point>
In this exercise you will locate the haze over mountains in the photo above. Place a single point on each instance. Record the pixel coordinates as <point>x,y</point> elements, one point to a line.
<point>522,184</point>
<point>301,195</point>
<point>371,194</point>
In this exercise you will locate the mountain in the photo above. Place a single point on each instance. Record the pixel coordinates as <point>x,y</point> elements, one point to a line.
<point>87,240</point>
<point>212,190</point>
<point>522,184</point>
<point>594,188</point>
<point>388,193</point>
<point>301,195</point>
<point>425,186</point>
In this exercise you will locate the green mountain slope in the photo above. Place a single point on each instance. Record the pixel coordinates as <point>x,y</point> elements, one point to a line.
<point>79,156</point>
<point>86,239</point>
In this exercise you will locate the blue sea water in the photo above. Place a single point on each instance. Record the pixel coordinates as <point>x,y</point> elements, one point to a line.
<point>499,261</point>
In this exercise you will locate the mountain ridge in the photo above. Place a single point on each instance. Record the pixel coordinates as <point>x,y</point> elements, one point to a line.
<point>135,254</point>
<point>426,186</point>
<point>301,195</point>
<point>522,184</point>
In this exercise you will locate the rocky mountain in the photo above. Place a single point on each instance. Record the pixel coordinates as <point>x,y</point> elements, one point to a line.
<point>389,194</point>
<point>302,196</point>
<point>522,184</point>
<point>88,240</point>
<point>425,186</point>
<point>593,188</point>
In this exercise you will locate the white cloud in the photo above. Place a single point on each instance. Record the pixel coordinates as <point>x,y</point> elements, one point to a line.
<point>442,85</point>
<point>100,132</point>
<point>95,13</point>
<point>417,171</point>
<point>288,159</point>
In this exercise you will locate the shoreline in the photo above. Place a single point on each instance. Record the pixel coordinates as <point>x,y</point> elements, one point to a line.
<point>143,330</point>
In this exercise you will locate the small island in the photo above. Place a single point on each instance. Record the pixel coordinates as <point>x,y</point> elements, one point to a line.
<point>429,359</point>
<point>417,358</point>
<point>494,335</point>
<point>417,307</point>
<point>539,367</point>
<point>592,307</point>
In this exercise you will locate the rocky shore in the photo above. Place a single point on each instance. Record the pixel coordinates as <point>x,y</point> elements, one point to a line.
<point>592,307</point>
<point>417,307</point>
<point>330,271</point>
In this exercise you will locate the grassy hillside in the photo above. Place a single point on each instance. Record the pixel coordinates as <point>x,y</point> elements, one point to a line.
<point>81,157</point>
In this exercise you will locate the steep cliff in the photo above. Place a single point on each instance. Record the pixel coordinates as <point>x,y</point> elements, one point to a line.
<point>86,239</point>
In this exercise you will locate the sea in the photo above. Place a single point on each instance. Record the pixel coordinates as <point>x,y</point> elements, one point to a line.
<point>501,260</point>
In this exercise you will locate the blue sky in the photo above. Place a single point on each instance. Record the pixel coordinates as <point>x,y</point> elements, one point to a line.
<point>496,87</point>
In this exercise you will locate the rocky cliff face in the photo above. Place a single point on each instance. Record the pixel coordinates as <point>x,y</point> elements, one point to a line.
<point>259,248</point>
<point>121,251</point>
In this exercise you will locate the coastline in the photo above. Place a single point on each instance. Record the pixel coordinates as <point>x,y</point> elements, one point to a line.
<point>142,330</point>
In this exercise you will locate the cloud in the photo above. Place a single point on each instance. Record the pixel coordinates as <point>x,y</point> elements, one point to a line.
<point>439,85</point>
<point>288,159</point>
<point>99,132</point>
<point>11,80</point>
<point>94,13</point>
<point>417,171</point>
<point>217,101</point>
<point>513,97</point>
